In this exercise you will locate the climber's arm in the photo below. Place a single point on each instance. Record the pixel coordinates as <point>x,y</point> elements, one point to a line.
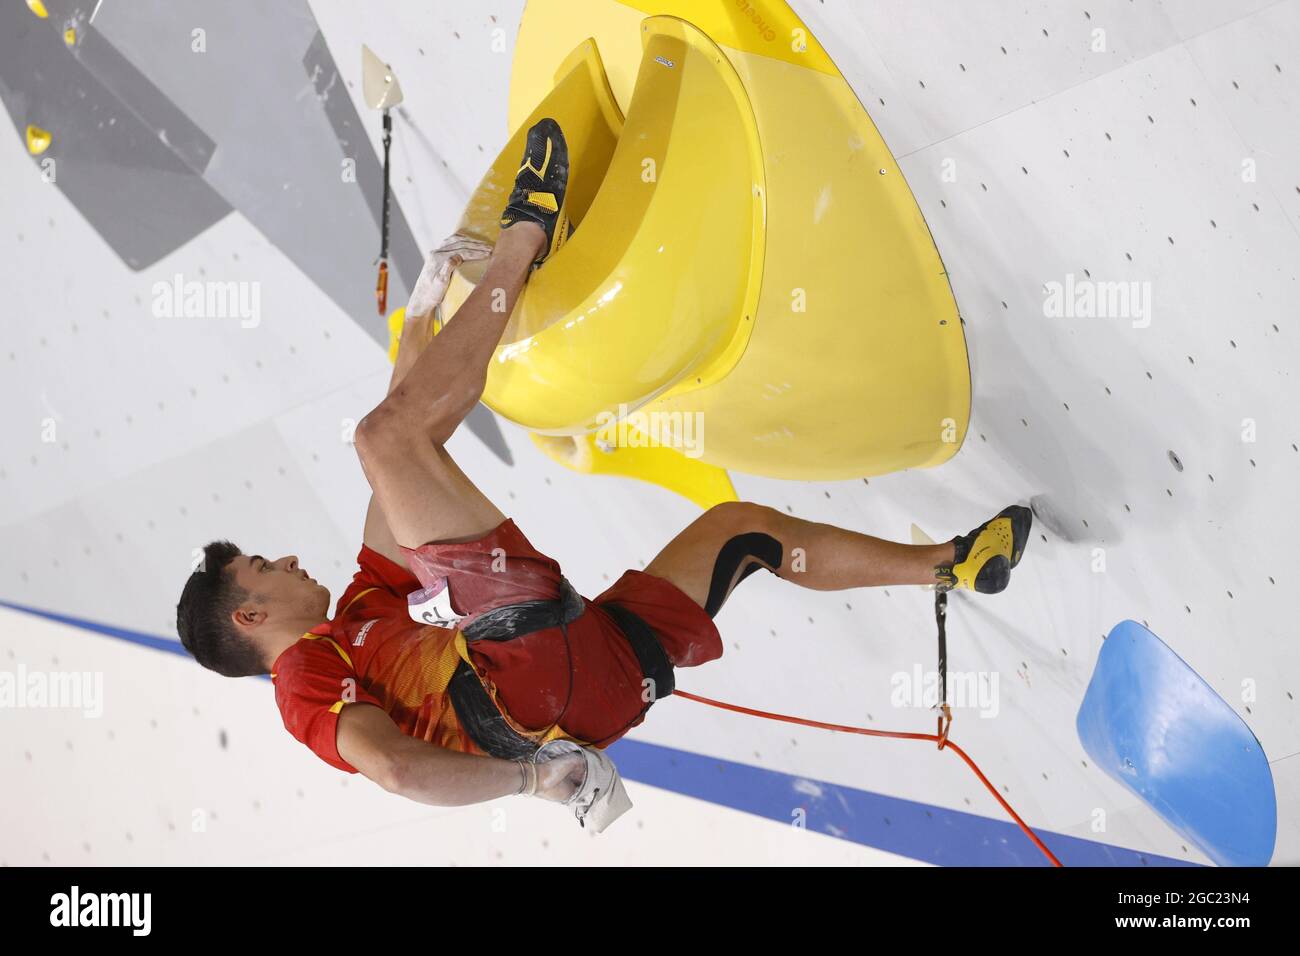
<point>368,739</point>
<point>413,768</point>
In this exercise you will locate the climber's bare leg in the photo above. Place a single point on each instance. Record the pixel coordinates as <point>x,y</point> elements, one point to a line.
<point>422,493</point>
<point>717,550</point>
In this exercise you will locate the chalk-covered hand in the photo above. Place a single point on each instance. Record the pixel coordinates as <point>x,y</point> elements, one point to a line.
<point>559,779</point>
<point>435,277</point>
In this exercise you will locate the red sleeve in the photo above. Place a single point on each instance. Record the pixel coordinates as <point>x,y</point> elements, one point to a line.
<point>312,686</point>
<point>376,571</point>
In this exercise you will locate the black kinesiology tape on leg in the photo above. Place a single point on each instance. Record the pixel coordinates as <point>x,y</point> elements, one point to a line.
<point>741,550</point>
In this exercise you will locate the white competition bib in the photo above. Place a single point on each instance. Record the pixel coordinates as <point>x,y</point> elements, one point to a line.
<point>432,605</point>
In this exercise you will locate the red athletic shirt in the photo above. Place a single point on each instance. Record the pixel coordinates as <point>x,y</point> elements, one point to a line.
<point>371,652</point>
<point>588,679</point>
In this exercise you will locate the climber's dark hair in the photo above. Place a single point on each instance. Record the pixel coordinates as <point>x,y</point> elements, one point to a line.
<point>203,621</point>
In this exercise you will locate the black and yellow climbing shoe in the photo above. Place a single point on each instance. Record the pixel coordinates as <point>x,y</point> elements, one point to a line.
<point>984,558</point>
<point>540,186</point>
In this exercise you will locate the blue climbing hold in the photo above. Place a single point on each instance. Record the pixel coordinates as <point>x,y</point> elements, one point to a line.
<point>1157,727</point>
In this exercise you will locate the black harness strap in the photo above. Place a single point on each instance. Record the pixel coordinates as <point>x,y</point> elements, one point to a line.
<point>516,620</point>
<point>481,718</point>
<point>656,666</point>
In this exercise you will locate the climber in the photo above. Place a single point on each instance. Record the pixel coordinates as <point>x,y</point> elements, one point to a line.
<point>460,665</point>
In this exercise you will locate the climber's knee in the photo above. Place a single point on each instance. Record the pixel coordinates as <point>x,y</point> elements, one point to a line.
<point>746,544</point>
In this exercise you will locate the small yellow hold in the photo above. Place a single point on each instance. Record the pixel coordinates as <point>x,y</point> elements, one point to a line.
<point>38,8</point>
<point>38,140</point>
<point>70,36</point>
<point>395,323</point>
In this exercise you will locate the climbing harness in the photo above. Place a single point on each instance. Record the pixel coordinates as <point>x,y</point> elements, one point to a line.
<point>486,723</point>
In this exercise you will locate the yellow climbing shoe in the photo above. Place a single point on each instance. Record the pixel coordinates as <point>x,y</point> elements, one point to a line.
<point>984,558</point>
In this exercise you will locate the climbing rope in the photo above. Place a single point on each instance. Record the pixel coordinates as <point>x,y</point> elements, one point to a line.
<point>949,744</point>
<point>941,737</point>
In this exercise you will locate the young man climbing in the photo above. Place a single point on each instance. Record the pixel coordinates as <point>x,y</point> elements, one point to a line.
<point>460,666</point>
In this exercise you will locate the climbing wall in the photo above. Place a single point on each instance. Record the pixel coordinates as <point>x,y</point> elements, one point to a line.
<point>1144,151</point>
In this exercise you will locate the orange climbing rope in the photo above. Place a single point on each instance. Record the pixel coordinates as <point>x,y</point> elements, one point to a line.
<point>940,738</point>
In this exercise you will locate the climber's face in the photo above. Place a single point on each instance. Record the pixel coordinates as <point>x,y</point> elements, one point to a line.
<point>277,590</point>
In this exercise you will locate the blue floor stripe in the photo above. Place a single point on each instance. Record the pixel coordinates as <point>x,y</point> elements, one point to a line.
<point>917,830</point>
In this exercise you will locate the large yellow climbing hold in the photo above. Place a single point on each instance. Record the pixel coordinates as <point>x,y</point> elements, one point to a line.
<point>38,140</point>
<point>38,8</point>
<point>70,36</point>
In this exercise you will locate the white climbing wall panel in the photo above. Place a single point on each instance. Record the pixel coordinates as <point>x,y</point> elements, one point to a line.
<point>1151,144</point>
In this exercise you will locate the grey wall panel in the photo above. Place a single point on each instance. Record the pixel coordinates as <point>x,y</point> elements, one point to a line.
<point>142,198</point>
<point>257,79</point>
